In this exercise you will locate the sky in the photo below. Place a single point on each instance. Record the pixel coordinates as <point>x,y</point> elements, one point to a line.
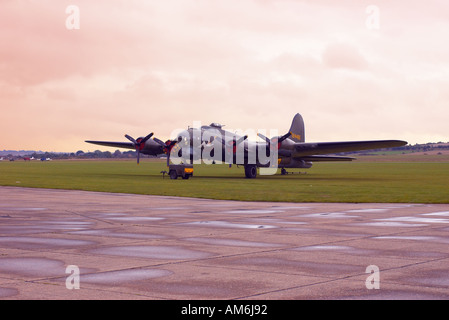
<point>75,70</point>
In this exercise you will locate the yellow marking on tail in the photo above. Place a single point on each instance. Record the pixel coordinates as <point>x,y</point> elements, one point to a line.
<point>296,136</point>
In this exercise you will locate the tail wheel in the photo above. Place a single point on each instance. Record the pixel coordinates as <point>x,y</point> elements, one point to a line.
<point>251,171</point>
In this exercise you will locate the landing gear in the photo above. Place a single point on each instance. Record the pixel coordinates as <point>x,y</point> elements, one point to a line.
<point>250,171</point>
<point>283,171</point>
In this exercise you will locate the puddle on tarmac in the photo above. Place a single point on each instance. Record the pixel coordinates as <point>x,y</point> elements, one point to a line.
<point>443,214</point>
<point>416,219</point>
<point>417,238</point>
<point>224,224</point>
<point>120,276</point>
<point>13,229</point>
<point>275,220</point>
<point>68,222</point>
<point>389,224</point>
<point>36,267</point>
<point>135,219</point>
<point>167,208</point>
<point>31,242</point>
<point>152,252</point>
<point>254,211</point>
<point>234,243</point>
<point>289,208</point>
<point>113,234</point>
<point>368,210</point>
<point>343,249</point>
<point>22,209</point>
<point>212,204</point>
<point>111,214</point>
<point>26,229</point>
<point>64,224</point>
<point>327,248</point>
<point>330,215</point>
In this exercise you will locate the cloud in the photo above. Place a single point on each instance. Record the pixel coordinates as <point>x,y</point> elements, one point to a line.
<point>152,66</point>
<point>344,56</point>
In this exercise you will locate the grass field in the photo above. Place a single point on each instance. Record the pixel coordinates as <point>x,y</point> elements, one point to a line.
<point>358,181</point>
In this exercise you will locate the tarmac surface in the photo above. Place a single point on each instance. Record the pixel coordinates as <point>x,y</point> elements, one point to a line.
<point>122,246</point>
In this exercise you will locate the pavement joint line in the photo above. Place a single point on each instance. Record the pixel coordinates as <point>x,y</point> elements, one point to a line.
<point>89,217</point>
<point>341,278</point>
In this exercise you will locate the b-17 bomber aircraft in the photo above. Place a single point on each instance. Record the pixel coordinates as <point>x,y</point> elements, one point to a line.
<point>212,144</point>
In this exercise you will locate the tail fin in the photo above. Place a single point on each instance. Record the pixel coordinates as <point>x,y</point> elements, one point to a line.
<point>297,129</point>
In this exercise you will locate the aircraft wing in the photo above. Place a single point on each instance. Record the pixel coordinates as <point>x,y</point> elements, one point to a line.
<point>127,145</point>
<point>303,149</point>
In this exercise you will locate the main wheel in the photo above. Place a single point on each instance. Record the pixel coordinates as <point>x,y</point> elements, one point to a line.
<point>250,171</point>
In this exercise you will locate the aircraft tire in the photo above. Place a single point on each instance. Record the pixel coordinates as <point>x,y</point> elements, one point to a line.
<point>251,171</point>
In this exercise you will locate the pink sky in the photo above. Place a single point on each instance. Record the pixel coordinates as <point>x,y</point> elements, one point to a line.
<point>154,66</point>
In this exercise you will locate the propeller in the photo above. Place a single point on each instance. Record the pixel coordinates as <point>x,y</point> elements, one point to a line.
<point>167,146</point>
<point>275,140</point>
<point>233,143</point>
<point>139,144</point>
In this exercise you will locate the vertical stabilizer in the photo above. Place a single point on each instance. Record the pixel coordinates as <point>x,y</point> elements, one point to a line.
<point>297,129</point>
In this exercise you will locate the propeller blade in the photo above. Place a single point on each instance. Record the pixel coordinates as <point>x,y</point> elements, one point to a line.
<point>285,136</point>
<point>138,156</point>
<point>241,140</point>
<point>146,138</point>
<point>263,137</point>
<point>159,141</point>
<point>237,142</point>
<point>220,140</point>
<point>131,139</point>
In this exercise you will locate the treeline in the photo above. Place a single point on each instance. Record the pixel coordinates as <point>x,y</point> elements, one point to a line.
<point>103,154</point>
<point>97,154</point>
<point>426,147</point>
